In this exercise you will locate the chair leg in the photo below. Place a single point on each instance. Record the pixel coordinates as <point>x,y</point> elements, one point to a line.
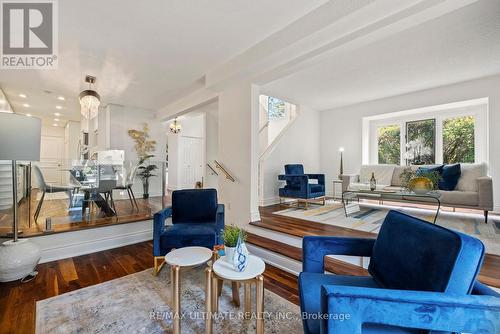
<point>486,216</point>
<point>112,202</point>
<point>158,267</point>
<point>130,198</point>
<point>39,206</point>
<point>133,196</point>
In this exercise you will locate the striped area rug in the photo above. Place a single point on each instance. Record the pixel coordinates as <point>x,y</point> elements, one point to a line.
<point>370,217</point>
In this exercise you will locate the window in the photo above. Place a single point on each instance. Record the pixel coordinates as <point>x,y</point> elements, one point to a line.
<point>445,134</point>
<point>389,147</point>
<point>458,140</point>
<point>420,142</point>
<point>275,108</point>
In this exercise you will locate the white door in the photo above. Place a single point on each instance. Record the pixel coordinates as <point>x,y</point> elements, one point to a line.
<point>51,159</point>
<point>191,154</point>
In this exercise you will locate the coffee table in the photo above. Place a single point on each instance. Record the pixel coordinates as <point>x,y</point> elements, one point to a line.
<point>398,196</point>
<point>221,269</point>
<point>183,257</point>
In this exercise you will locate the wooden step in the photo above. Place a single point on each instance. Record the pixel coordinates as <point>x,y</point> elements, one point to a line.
<point>489,275</point>
<point>331,265</point>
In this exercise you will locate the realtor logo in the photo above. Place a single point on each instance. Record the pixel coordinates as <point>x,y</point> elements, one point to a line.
<point>29,34</point>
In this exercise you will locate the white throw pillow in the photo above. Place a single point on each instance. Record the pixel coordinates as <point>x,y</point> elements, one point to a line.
<point>383,173</point>
<point>469,175</point>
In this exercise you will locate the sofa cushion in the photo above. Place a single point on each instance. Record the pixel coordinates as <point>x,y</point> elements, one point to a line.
<point>383,173</point>
<point>457,197</point>
<point>469,175</point>
<point>450,176</point>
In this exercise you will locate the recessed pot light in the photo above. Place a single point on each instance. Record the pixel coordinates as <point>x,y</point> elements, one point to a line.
<point>58,107</point>
<point>22,95</point>
<point>57,114</point>
<point>26,105</point>
<point>56,119</point>
<point>29,115</point>
<point>61,98</point>
<point>54,124</point>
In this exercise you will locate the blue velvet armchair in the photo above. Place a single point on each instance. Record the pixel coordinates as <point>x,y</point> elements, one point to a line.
<point>197,220</point>
<point>423,280</point>
<point>298,186</point>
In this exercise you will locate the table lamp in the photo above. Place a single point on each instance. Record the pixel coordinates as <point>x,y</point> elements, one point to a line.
<point>20,137</point>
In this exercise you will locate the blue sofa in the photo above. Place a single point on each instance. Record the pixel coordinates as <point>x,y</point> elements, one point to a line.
<point>423,280</point>
<point>298,186</point>
<point>197,220</point>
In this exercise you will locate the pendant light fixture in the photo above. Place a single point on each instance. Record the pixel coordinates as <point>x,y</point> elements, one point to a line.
<point>89,99</point>
<point>175,127</point>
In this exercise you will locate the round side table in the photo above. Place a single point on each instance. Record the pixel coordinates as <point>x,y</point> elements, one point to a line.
<point>183,257</point>
<point>221,269</point>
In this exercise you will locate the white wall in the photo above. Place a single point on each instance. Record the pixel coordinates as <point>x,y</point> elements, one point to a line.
<point>239,152</point>
<point>299,143</point>
<point>193,125</point>
<point>212,143</point>
<point>122,119</point>
<point>342,127</point>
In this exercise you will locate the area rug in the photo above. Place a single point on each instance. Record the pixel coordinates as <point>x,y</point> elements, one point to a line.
<point>371,216</point>
<point>141,303</point>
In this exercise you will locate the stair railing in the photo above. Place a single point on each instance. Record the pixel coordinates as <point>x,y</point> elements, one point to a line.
<point>224,171</point>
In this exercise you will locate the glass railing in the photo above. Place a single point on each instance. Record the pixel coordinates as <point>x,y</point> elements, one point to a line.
<point>68,195</point>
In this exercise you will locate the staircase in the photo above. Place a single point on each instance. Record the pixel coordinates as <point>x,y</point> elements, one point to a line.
<point>5,185</point>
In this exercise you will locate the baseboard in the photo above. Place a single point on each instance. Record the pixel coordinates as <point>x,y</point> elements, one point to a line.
<point>270,201</point>
<point>254,216</point>
<point>69,244</point>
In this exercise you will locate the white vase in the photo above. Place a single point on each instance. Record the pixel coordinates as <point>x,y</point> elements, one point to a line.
<point>17,259</point>
<point>229,253</point>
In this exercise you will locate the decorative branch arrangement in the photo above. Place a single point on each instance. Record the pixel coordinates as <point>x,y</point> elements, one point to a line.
<point>144,148</point>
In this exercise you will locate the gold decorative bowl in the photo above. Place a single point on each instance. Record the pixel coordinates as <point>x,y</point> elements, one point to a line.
<point>420,185</point>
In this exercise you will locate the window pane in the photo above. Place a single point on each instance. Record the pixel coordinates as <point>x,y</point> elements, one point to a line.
<point>389,144</point>
<point>275,108</point>
<point>458,140</point>
<point>420,142</point>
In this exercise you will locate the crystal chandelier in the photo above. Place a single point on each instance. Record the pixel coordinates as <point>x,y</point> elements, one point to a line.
<point>175,127</point>
<point>89,99</point>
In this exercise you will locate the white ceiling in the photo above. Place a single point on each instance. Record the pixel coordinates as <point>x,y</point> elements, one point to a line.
<point>144,54</point>
<point>462,45</point>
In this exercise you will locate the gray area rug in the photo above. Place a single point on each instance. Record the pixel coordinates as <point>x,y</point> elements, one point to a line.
<point>141,303</point>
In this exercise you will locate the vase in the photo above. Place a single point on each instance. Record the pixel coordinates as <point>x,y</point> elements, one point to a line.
<point>18,259</point>
<point>145,188</point>
<point>420,185</point>
<point>229,253</point>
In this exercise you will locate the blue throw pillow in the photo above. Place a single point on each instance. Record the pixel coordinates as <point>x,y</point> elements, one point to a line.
<point>450,176</point>
<point>422,171</point>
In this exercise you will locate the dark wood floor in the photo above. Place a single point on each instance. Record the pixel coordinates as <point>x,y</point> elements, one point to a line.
<point>490,272</point>
<point>65,221</point>
<point>17,301</point>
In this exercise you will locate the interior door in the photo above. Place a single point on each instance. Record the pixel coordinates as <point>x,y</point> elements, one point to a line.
<point>191,161</point>
<point>51,159</point>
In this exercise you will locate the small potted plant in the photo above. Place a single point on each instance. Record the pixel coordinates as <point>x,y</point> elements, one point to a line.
<point>230,236</point>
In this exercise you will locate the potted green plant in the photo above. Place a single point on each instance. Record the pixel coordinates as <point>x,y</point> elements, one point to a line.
<point>229,236</point>
<point>144,147</point>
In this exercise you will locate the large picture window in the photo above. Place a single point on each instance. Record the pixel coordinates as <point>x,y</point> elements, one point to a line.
<point>457,133</point>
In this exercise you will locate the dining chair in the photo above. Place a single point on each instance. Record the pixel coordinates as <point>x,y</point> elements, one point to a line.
<point>48,188</point>
<point>127,185</point>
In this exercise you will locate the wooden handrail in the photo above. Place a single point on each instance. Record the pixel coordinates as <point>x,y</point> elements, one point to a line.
<point>212,169</point>
<point>219,166</point>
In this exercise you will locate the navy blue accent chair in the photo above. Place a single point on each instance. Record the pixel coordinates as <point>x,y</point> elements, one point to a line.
<point>297,184</point>
<point>423,280</point>
<point>197,220</point>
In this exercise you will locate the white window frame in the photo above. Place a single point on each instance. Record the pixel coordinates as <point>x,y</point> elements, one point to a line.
<point>477,108</point>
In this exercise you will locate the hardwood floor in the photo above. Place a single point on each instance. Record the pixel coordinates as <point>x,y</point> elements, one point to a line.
<point>490,272</point>
<point>64,220</point>
<point>17,301</point>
